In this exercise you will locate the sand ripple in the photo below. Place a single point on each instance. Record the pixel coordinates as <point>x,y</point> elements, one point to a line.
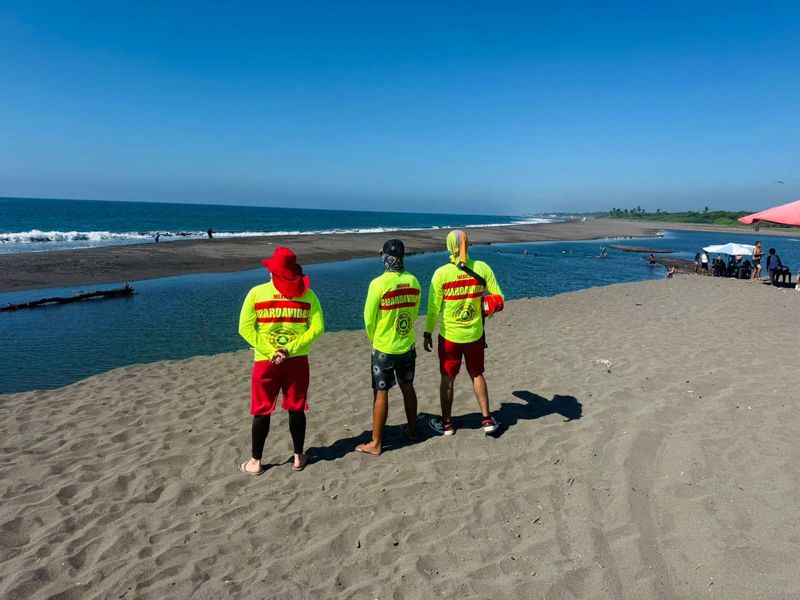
<point>673,474</point>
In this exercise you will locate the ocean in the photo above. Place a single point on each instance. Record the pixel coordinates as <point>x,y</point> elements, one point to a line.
<point>34,225</point>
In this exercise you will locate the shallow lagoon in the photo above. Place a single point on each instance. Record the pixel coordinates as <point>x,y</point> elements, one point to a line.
<point>188,315</point>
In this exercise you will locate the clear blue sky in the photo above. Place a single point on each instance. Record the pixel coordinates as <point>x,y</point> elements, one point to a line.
<point>488,107</point>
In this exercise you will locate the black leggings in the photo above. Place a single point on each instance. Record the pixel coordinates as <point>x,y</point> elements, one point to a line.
<point>297,427</point>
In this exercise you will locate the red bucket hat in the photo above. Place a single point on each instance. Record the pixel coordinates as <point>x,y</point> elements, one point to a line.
<point>287,275</point>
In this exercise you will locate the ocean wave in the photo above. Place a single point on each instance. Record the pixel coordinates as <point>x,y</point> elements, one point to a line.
<point>36,236</point>
<point>37,240</point>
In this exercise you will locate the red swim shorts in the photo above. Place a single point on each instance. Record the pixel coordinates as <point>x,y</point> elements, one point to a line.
<point>291,376</point>
<point>450,354</point>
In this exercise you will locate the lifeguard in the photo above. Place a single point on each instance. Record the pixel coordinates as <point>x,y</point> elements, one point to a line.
<point>390,311</point>
<point>456,293</point>
<point>280,319</point>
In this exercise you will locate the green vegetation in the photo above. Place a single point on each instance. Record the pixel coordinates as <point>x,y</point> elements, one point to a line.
<point>710,217</point>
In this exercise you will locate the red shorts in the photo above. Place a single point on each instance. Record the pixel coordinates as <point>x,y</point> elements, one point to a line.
<point>450,354</point>
<point>291,376</point>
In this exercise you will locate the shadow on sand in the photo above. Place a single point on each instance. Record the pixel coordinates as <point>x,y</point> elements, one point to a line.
<point>509,414</point>
<point>535,407</point>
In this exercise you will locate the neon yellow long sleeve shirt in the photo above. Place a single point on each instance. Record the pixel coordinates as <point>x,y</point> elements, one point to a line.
<point>269,320</point>
<point>391,308</point>
<point>457,296</point>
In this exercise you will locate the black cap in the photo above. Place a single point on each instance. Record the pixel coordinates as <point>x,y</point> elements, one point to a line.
<point>394,248</point>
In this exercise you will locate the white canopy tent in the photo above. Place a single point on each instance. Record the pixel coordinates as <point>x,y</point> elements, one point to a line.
<point>732,249</point>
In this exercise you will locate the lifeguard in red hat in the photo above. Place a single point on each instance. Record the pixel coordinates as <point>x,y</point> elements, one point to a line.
<point>280,319</point>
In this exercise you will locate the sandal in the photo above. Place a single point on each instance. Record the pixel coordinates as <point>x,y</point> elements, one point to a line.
<point>303,463</point>
<point>243,469</point>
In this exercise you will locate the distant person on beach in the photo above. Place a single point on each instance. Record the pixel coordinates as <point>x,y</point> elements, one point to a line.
<point>704,262</point>
<point>718,267</point>
<point>456,292</point>
<point>696,263</point>
<point>731,267</point>
<point>390,311</point>
<point>210,233</point>
<point>672,270</point>
<point>776,269</point>
<point>758,254</point>
<point>280,319</point>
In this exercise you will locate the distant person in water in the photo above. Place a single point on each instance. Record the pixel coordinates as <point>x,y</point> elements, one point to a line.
<point>390,311</point>
<point>210,233</point>
<point>652,259</point>
<point>280,319</point>
<point>158,235</point>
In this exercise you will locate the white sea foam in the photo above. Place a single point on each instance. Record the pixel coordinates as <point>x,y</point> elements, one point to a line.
<point>37,240</point>
<point>36,236</point>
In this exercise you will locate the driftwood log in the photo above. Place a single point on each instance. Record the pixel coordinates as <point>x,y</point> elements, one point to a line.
<point>122,292</point>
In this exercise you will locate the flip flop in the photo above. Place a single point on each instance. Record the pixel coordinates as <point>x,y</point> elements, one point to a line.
<point>360,448</point>
<point>246,472</point>
<point>303,463</point>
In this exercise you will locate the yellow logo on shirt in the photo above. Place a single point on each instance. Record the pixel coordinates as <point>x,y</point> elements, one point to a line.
<point>403,323</point>
<point>280,337</point>
<point>467,314</point>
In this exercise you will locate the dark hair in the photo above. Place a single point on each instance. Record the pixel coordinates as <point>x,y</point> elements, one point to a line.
<point>772,250</point>
<point>394,248</point>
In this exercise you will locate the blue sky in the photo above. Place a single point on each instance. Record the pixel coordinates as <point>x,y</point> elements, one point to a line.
<point>468,107</point>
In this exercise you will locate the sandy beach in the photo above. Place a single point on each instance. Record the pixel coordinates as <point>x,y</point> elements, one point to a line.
<point>673,473</point>
<point>146,261</point>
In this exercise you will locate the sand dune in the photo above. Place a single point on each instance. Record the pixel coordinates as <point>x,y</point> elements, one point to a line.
<point>675,473</point>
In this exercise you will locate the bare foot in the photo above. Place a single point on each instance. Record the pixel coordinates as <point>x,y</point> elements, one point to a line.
<point>372,448</point>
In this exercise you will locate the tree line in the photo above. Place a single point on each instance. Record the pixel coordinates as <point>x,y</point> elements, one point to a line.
<point>715,217</point>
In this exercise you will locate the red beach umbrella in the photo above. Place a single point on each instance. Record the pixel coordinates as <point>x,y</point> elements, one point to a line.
<point>785,214</point>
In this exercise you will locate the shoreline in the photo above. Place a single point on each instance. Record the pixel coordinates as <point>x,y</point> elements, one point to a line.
<point>112,264</point>
<point>115,264</point>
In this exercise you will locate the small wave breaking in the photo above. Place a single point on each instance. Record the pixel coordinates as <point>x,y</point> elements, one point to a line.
<point>36,239</point>
<point>35,236</point>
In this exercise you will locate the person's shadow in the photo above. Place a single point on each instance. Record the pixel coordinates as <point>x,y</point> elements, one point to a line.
<point>508,415</point>
<point>394,438</point>
<point>535,407</point>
